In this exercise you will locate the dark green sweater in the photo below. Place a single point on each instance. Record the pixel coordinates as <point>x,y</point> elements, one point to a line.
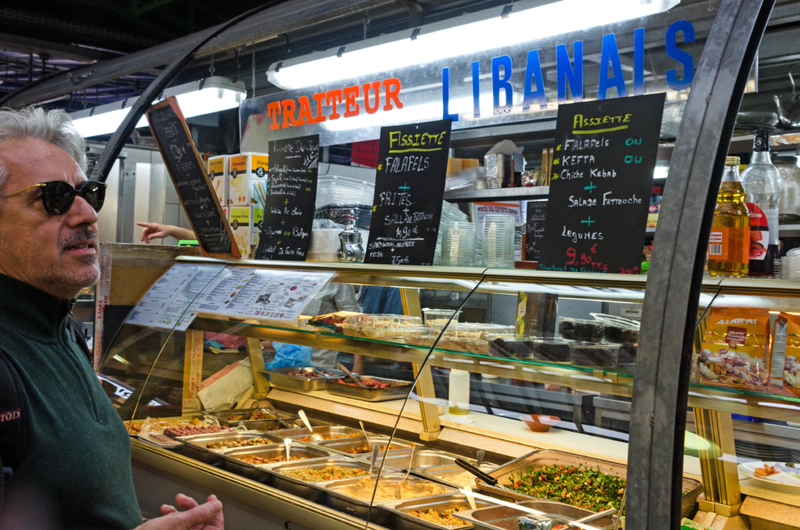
<point>78,453</point>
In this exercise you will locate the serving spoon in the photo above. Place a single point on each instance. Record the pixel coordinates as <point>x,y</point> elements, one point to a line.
<point>315,436</point>
<point>410,463</point>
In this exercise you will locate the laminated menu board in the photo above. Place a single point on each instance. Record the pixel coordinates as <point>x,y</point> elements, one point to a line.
<point>185,290</point>
<point>601,181</point>
<point>290,202</point>
<point>191,180</point>
<point>409,187</point>
<point>171,301</point>
<point>534,222</point>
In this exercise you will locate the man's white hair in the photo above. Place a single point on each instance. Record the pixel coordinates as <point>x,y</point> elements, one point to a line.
<point>53,126</point>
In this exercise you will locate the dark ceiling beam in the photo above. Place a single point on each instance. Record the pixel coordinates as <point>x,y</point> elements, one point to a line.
<point>214,14</point>
<point>141,9</point>
<point>22,44</point>
<point>122,11</point>
<point>77,28</point>
<point>284,18</point>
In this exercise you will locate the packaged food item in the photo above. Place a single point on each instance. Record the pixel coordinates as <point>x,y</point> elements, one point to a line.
<point>457,335</point>
<point>784,366</point>
<point>238,182</point>
<point>331,321</point>
<point>536,314</point>
<point>581,330</point>
<point>511,346</point>
<point>218,175</point>
<point>438,318</point>
<point>735,346</point>
<point>241,219</point>
<point>420,336</point>
<point>380,327</point>
<point>551,350</point>
<point>599,355</point>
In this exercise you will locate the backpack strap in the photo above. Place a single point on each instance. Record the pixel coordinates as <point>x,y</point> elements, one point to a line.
<point>13,425</point>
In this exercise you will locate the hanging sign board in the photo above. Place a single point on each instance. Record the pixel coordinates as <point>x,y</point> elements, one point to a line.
<point>535,219</point>
<point>602,179</point>
<point>409,187</point>
<point>191,180</point>
<point>291,196</point>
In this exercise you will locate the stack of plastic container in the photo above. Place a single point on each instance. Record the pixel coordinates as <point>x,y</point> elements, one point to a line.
<point>338,197</point>
<point>458,244</point>
<point>450,213</point>
<point>498,241</point>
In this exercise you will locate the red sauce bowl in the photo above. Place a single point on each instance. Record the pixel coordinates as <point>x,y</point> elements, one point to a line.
<point>539,422</point>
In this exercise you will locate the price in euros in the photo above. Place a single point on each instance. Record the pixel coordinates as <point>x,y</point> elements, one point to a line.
<point>584,260</point>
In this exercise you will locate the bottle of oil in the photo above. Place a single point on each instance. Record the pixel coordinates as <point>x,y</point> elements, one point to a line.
<point>729,243</point>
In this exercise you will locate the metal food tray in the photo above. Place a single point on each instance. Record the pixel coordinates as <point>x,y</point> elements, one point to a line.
<point>440,473</point>
<point>397,390</point>
<point>195,446</point>
<point>549,457</point>
<point>269,424</point>
<point>261,472</point>
<point>344,445</point>
<point>422,459</point>
<point>403,508</point>
<point>505,517</point>
<point>361,508</point>
<point>308,489</point>
<point>324,430</point>
<point>280,378</point>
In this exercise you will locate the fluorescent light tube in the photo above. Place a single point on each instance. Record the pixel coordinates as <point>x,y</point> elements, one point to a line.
<point>217,94</point>
<point>436,42</point>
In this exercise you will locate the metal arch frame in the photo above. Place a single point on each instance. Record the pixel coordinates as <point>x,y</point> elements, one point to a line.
<point>661,385</point>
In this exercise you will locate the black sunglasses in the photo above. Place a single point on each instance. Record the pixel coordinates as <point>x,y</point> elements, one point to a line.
<point>58,195</point>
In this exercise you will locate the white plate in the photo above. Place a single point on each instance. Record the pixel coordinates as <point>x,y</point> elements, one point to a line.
<point>748,469</point>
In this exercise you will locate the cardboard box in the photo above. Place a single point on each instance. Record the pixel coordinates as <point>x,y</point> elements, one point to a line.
<point>238,181</point>
<point>258,192</point>
<point>218,175</point>
<point>243,169</point>
<point>255,231</point>
<point>241,225</point>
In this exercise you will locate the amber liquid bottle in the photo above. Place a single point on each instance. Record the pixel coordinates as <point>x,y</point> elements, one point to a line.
<point>729,242</point>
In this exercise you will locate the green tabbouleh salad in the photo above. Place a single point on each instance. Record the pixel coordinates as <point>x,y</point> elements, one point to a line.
<point>576,485</point>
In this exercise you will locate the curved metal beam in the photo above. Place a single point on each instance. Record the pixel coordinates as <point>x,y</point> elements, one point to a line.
<point>661,383</point>
<point>285,18</point>
<point>120,136</point>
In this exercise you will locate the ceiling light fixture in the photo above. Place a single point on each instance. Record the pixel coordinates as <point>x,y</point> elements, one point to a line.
<point>464,35</point>
<point>213,94</point>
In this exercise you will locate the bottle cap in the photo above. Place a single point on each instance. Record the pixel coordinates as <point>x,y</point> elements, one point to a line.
<point>761,140</point>
<point>731,160</point>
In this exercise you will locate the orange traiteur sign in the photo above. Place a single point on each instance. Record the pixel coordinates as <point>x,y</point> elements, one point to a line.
<point>344,99</point>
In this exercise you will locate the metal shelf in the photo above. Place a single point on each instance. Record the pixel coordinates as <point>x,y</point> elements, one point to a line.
<point>789,230</point>
<point>781,408</point>
<point>497,194</point>
<point>584,379</point>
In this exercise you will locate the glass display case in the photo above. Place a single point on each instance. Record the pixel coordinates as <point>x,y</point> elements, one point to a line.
<point>441,383</point>
<point>448,397</point>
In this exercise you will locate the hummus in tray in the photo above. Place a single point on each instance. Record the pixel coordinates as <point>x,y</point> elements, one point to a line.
<point>387,489</point>
<point>441,517</point>
<point>324,474</point>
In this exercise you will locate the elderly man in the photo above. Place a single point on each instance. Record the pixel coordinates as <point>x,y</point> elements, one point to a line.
<point>74,468</point>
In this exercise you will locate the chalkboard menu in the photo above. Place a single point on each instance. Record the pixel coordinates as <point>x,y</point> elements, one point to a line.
<point>291,196</point>
<point>535,219</point>
<point>605,153</point>
<point>409,187</point>
<point>191,180</point>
